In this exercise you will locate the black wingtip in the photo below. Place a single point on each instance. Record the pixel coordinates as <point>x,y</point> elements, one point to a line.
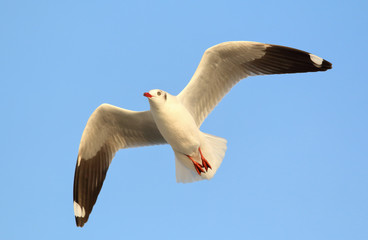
<point>88,181</point>
<point>280,59</point>
<point>80,221</point>
<point>326,65</point>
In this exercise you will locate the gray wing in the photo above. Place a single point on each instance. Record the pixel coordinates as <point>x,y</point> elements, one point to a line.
<point>224,65</point>
<point>108,129</point>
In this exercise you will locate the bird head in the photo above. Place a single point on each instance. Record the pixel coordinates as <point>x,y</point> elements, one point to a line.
<point>156,96</point>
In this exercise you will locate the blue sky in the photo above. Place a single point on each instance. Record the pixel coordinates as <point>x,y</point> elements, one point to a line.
<point>296,165</point>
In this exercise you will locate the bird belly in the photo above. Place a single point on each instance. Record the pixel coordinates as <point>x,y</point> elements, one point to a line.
<point>179,130</point>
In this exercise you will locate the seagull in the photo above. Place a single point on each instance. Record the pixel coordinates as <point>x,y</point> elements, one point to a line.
<point>176,120</point>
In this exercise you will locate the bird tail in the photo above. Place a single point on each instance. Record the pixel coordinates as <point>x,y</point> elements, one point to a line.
<point>213,149</point>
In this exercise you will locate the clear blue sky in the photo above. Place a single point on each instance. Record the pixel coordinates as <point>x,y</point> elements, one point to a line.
<point>297,160</point>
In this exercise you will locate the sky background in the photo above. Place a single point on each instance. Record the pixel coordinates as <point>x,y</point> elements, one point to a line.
<point>297,160</point>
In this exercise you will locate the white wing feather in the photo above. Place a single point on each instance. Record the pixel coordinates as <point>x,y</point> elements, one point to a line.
<point>224,65</point>
<point>108,129</point>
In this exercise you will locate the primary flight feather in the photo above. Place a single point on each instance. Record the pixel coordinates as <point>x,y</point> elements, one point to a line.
<point>176,119</point>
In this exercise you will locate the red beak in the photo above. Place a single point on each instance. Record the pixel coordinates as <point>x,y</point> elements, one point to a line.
<point>146,94</point>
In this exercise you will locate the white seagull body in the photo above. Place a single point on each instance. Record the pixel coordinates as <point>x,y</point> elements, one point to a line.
<point>176,119</point>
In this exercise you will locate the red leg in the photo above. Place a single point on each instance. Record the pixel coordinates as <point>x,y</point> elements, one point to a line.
<point>197,166</point>
<point>205,164</point>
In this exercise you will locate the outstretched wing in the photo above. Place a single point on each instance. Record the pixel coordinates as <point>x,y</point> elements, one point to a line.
<point>108,129</point>
<point>224,65</point>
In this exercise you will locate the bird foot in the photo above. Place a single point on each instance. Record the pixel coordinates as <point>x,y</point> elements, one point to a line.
<point>205,163</point>
<point>198,167</point>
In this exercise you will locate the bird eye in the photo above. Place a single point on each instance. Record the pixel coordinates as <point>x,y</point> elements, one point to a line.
<point>158,93</point>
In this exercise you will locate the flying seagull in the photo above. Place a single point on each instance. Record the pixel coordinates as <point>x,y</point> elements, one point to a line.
<point>176,119</point>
